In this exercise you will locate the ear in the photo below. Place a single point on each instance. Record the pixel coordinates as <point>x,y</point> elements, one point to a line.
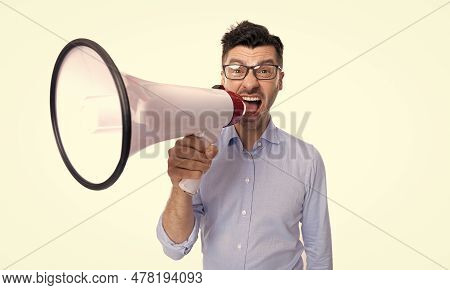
<point>280,81</point>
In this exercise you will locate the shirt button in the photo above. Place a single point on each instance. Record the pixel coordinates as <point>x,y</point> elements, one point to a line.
<point>247,180</point>
<point>244,212</point>
<point>239,246</point>
<point>259,144</point>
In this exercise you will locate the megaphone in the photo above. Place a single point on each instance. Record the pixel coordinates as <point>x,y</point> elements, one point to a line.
<point>101,117</point>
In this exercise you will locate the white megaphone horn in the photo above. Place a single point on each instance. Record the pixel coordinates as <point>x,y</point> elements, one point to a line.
<point>100,116</point>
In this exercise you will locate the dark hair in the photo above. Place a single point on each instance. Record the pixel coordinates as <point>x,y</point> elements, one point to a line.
<point>250,35</point>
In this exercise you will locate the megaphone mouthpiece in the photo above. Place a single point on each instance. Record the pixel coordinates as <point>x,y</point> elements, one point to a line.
<point>239,108</point>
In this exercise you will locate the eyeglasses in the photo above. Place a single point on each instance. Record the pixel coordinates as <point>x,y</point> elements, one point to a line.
<point>261,72</point>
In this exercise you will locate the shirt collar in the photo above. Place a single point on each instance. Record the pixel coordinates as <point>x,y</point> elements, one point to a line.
<point>271,133</point>
<point>230,136</point>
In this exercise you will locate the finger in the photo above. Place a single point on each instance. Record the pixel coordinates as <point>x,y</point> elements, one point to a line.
<point>189,153</point>
<point>184,173</point>
<point>195,142</point>
<point>211,151</point>
<point>189,164</point>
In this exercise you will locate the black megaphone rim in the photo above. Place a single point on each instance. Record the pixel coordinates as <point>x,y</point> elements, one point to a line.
<point>125,109</point>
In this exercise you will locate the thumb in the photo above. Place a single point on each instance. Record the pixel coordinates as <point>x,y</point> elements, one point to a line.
<point>211,151</point>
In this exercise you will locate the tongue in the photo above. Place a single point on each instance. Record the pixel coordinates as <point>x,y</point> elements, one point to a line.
<point>251,107</point>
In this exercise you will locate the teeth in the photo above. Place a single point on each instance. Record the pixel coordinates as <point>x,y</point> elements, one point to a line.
<point>249,99</point>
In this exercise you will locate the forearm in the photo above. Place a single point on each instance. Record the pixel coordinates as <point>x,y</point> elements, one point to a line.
<point>178,216</point>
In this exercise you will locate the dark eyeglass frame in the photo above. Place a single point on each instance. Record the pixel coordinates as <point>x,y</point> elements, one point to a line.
<point>251,68</point>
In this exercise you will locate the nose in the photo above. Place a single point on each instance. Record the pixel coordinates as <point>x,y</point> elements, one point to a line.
<point>250,82</point>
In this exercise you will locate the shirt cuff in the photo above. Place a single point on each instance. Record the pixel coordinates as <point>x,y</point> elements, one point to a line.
<point>172,249</point>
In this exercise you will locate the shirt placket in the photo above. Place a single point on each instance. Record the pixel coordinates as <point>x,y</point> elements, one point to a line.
<point>245,214</point>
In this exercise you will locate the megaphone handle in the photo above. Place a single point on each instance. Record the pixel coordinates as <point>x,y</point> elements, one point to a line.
<point>190,186</point>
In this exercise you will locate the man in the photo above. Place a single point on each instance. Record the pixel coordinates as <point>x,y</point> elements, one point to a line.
<point>259,183</point>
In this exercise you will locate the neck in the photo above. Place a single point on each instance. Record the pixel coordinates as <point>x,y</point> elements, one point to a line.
<point>250,132</point>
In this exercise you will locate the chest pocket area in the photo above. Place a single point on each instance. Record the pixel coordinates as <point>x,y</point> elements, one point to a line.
<point>278,197</point>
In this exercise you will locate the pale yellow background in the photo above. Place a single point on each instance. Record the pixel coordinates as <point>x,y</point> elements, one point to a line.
<point>381,124</point>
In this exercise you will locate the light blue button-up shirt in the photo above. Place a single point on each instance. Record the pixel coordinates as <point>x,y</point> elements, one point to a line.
<point>251,206</point>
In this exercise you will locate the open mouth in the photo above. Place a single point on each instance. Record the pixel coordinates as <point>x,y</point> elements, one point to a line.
<point>252,104</point>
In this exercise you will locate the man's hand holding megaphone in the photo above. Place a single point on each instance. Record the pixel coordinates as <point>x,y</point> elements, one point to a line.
<point>189,159</point>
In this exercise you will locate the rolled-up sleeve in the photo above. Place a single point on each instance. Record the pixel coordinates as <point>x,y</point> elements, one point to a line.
<point>316,229</point>
<point>178,251</point>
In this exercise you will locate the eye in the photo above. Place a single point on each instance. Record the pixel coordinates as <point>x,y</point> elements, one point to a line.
<point>236,69</point>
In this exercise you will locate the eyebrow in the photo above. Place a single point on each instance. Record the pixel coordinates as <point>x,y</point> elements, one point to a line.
<point>266,61</point>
